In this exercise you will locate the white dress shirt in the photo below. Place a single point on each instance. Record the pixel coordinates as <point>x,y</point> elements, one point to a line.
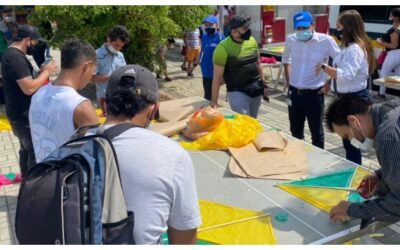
<point>304,56</point>
<point>352,69</point>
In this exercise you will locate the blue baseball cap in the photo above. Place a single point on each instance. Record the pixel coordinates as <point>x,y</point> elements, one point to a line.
<point>302,19</point>
<point>210,19</point>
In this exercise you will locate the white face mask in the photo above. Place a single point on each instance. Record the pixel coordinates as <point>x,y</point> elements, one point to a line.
<point>111,49</point>
<point>367,144</point>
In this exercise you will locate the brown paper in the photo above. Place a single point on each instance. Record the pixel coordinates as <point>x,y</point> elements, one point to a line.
<point>289,163</point>
<point>176,110</point>
<point>169,128</point>
<point>235,169</point>
<point>270,141</point>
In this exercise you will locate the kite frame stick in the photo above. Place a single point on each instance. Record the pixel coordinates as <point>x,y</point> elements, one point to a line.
<point>232,222</point>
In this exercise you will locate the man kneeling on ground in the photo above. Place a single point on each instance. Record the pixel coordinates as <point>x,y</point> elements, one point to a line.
<point>157,174</point>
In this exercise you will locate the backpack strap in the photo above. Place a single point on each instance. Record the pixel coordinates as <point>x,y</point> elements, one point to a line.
<point>81,132</point>
<point>117,129</point>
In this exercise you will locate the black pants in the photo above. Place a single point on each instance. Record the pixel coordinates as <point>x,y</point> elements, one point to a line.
<point>306,104</point>
<point>352,153</point>
<point>207,86</point>
<point>27,159</point>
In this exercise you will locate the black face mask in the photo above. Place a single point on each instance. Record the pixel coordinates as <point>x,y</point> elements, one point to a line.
<point>210,30</point>
<point>339,34</point>
<point>30,50</point>
<point>246,36</point>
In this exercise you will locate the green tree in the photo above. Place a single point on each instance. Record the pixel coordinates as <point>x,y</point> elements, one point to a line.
<point>147,25</point>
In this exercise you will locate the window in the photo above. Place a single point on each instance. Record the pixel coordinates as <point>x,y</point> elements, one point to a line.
<point>371,13</point>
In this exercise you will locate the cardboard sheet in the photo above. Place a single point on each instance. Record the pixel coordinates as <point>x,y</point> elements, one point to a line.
<point>270,141</point>
<point>287,164</point>
<point>169,128</point>
<point>178,109</point>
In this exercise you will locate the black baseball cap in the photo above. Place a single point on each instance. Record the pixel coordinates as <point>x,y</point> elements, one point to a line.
<point>26,30</point>
<point>240,21</point>
<point>145,83</point>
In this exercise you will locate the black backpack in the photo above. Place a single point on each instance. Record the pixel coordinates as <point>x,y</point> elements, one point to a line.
<point>75,195</point>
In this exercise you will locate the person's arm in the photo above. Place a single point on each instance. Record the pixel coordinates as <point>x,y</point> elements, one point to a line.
<point>85,115</point>
<point>100,78</point>
<point>348,68</point>
<point>217,81</point>
<point>29,85</point>
<point>219,60</point>
<point>387,207</point>
<point>182,237</point>
<point>394,41</point>
<point>286,61</point>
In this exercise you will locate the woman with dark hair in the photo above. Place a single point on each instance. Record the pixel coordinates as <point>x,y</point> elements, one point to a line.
<point>352,66</point>
<point>390,42</point>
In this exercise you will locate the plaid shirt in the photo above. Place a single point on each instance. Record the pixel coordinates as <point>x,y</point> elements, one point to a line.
<point>386,207</point>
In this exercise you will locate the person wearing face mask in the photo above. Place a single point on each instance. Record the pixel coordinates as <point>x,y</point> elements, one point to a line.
<point>303,50</point>
<point>375,127</point>
<point>110,58</point>
<point>209,41</point>
<point>19,85</point>
<point>351,67</point>
<point>391,43</point>
<point>237,63</point>
<point>157,174</point>
<point>57,109</point>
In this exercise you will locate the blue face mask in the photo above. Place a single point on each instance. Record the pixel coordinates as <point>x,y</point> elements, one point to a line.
<point>304,35</point>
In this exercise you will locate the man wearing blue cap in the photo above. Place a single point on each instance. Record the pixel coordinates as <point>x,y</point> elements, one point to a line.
<point>209,41</point>
<point>303,50</point>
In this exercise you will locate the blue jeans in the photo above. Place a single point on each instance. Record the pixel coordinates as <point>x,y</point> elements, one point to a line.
<point>352,153</point>
<point>307,104</point>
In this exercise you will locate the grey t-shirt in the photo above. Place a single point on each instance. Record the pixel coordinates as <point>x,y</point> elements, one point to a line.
<point>158,182</point>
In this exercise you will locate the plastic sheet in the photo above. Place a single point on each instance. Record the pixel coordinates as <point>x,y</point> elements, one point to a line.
<point>236,132</point>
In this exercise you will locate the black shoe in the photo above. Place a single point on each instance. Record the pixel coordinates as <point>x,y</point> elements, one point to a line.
<point>158,76</point>
<point>183,68</point>
<point>168,79</point>
<point>190,74</point>
<point>379,97</point>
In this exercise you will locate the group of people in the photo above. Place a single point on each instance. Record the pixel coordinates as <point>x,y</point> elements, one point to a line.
<point>159,184</point>
<point>352,115</point>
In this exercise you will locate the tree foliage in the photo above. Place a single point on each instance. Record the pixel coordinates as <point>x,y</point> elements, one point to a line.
<point>148,25</point>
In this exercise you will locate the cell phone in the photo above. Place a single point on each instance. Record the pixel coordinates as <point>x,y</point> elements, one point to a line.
<point>47,61</point>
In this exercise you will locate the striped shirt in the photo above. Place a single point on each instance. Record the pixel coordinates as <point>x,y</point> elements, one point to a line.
<point>386,207</point>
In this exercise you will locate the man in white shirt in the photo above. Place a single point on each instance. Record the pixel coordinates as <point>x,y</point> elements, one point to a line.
<point>157,174</point>
<point>303,51</point>
<point>57,109</point>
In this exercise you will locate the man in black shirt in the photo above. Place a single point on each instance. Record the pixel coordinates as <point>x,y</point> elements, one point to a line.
<point>19,85</point>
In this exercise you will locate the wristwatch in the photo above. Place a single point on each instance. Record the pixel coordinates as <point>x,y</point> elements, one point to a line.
<point>323,66</point>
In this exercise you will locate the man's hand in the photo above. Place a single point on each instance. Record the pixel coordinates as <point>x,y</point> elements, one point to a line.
<point>339,212</point>
<point>318,68</point>
<point>325,89</point>
<point>380,42</point>
<point>213,104</point>
<point>368,186</point>
<point>50,68</point>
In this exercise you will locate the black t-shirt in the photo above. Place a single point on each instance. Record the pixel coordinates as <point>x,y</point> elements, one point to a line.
<point>15,66</point>
<point>387,38</point>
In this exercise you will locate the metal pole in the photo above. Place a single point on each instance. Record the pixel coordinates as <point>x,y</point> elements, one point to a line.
<point>221,18</point>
